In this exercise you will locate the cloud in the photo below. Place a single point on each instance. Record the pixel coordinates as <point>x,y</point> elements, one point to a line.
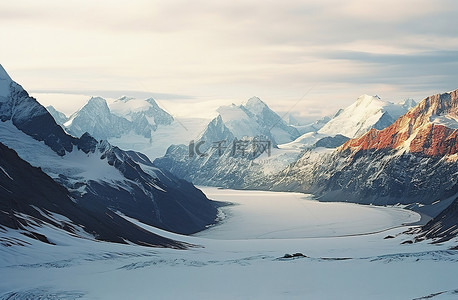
<point>115,94</point>
<point>234,49</point>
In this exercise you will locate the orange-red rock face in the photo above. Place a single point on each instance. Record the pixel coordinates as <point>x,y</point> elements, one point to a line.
<point>414,130</point>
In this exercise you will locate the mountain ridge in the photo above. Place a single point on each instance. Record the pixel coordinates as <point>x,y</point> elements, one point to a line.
<point>414,131</point>
<point>98,175</point>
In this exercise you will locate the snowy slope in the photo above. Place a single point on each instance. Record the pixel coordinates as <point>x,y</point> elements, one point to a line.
<point>312,127</point>
<point>356,267</point>
<point>96,118</point>
<point>366,113</point>
<point>31,203</point>
<point>134,109</point>
<point>181,131</point>
<point>239,123</point>
<point>58,116</point>
<point>355,120</point>
<point>255,118</point>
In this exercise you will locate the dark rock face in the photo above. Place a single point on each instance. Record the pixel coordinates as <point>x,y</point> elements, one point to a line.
<point>443,227</point>
<point>30,197</point>
<point>161,117</point>
<point>34,120</point>
<point>377,177</point>
<point>426,137</point>
<point>95,117</point>
<point>332,141</point>
<point>158,199</point>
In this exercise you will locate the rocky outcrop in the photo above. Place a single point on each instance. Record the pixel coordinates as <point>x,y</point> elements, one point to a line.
<point>415,131</point>
<point>443,227</point>
<point>30,199</point>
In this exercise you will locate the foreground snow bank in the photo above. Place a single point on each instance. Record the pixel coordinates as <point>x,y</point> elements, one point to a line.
<point>242,267</point>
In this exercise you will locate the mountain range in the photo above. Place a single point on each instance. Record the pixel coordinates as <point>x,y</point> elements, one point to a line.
<point>126,115</point>
<point>255,118</point>
<point>412,162</point>
<point>91,183</point>
<point>372,152</point>
<point>397,155</point>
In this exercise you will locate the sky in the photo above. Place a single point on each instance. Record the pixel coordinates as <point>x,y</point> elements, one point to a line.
<point>307,58</point>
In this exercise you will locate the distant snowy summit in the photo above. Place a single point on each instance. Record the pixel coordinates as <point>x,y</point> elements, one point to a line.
<point>431,129</point>
<point>365,113</point>
<point>122,117</point>
<point>255,118</point>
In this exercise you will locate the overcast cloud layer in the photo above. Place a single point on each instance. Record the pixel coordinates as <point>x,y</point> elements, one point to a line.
<point>184,52</point>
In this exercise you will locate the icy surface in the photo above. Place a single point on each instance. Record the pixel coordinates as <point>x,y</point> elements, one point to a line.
<point>277,215</point>
<point>353,267</point>
<point>238,122</point>
<point>76,164</point>
<point>124,106</point>
<point>304,141</point>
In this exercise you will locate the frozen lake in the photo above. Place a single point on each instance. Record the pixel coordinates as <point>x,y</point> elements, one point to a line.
<point>347,257</point>
<point>276,215</point>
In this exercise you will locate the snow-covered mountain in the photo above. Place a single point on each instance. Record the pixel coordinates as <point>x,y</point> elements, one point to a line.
<point>412,162</point>
<point>313,127</point>
<point>239,144</point>
<point>137,110</point>
<point>353,121</point>
<point>366,113</point>
<point>255,118</point>
<point>58,116</point>
<point>31,202</point>
<point>125,116</point>
<point>96,119</point>
<point>96,175</point>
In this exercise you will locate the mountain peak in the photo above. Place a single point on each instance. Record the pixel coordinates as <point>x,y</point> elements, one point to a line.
<point>255,105</point>
<point>367,99</point>
<point>5,81</point>
<point>428,128</point>
<point>152,102</point>
<point>3,74</point>
<point>97,102</point>
<point>408,102</point>
<point>255,101</point>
